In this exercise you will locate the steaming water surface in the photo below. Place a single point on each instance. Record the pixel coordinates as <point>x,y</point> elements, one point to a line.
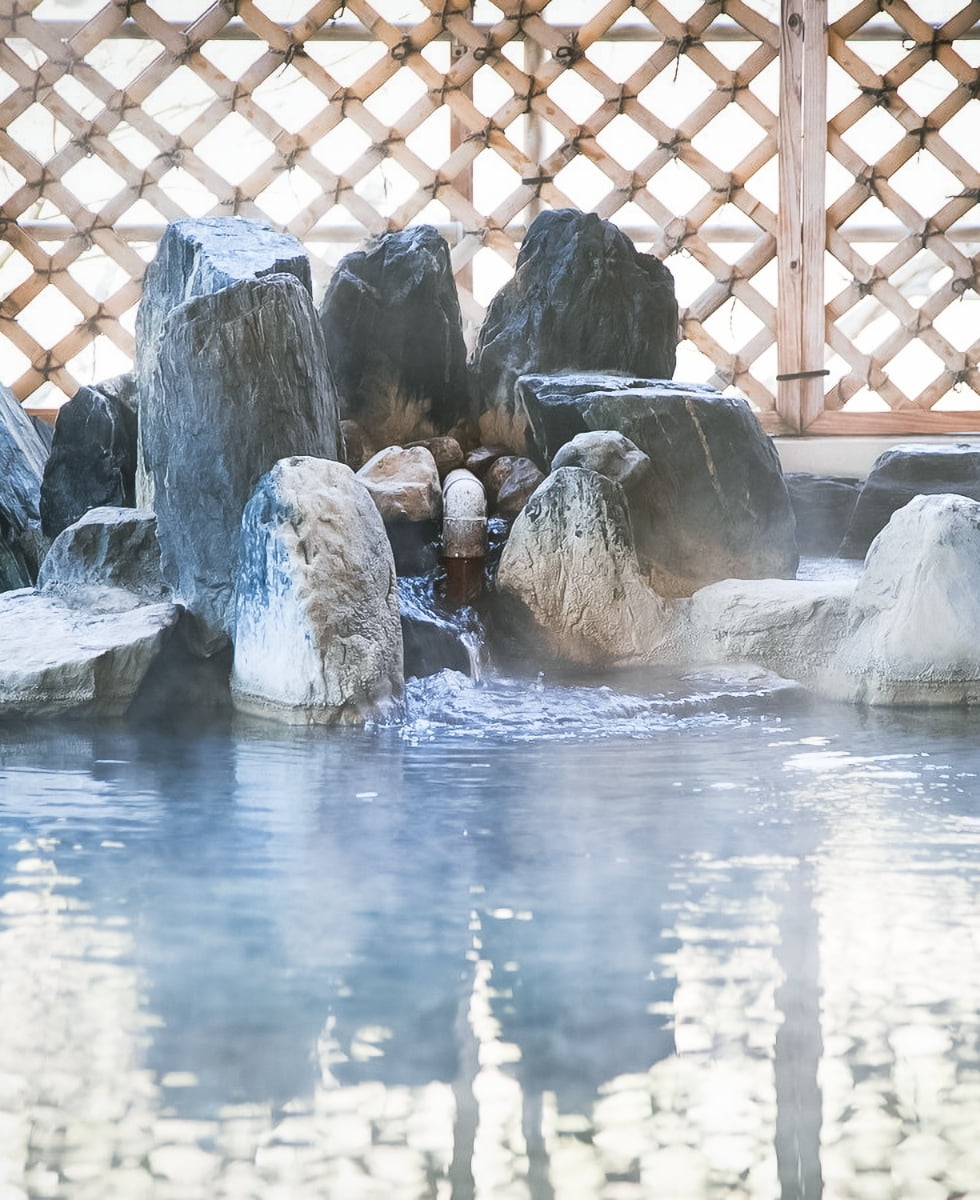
<point>658,938</point>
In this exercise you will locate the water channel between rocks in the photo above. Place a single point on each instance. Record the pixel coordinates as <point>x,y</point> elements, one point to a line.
<point>643,938</point>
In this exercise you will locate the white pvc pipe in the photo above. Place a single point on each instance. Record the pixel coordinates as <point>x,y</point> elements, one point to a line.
<point>464,521</point>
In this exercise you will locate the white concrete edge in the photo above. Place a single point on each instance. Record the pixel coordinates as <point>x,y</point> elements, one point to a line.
<point>852,456</point>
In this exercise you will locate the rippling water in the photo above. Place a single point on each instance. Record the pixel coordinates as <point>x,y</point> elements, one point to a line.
<point>659,938</point>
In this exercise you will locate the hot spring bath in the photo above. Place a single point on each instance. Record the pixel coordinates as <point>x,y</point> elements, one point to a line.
<point>647,940</point>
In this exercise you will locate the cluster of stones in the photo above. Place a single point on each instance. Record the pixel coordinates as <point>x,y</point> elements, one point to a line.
<point>242,506</point>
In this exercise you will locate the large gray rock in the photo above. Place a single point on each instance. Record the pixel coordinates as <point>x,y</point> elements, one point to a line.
<point>240,381</point>
<point>22,458</point>
<point>582,299</point>
<point>395,338</point>
<point>904,472</point>
<point>92,463</point>
<point>916,610</point>
<point>196,257</point>
<point>569,584</point>
<point>318,636</point>
<point>57,657</point>
<point>107,550</point>
<point>792,627</point>
<point>713,504</point>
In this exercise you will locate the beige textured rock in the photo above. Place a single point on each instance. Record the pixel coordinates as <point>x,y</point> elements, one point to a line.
<point>569,581</point>
<point>404,484</point>
<point>317,633</point>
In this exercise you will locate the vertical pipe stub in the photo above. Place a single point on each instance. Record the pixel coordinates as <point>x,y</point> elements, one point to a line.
<point>464,536</point>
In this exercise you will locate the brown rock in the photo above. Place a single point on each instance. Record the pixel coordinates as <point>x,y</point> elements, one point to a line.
<point>445,450</point>
<point>518,485</point>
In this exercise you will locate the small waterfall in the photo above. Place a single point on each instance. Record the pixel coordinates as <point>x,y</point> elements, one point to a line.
<point>437,638</point>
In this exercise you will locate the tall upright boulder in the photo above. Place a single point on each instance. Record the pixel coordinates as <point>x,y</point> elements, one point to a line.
<point>582,299</point>
<point>394,334</point>
<point>318,635</point>
<point>22,458</point>
<point>240,380</point>
<point>92,463</point>
<point>712,505</point>
<point>195,257</point>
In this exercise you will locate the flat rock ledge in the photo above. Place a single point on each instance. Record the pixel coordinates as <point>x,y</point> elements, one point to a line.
<point>55,658</point>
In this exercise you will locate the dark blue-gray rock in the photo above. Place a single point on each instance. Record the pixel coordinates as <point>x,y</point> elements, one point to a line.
<point>92,461</point>
<point>44,430</point>
<point>713,505</point>
<point>902,473</point>
<point>195,257</point>
<point>394,334</point>
<point>823,506</point>
<point>22,458</point>
<point>106,550</point>
<point>240,381</point>
<point>582,299</point>
<point>317,630</point>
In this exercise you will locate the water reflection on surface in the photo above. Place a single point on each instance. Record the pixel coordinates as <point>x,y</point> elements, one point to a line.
<point>655,940</point>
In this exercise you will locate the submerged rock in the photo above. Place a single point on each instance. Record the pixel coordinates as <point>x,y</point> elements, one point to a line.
<point>568,583</point>
<point>57,657</point>
<point>902,473</point>
<point>240,381</point>
<point>582,298</point>
<point>713,504</point>
<point>22,458</point>
<point>394,334</point>
<point>93,458</point>
<point>318,636</point>
<point>197,257</point>
<point>105,551</point>
<point>916,610</point>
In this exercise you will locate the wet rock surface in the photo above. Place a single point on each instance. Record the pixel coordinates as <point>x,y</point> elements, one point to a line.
<point>568,582</point>
<point>712,506</point>
<point>318,636</point>
<point>902,473</point>
<point>92,462</point>
<point>394,334</point>
<point>241,380</point>
<point>22,457</point>
<point>582,299</point>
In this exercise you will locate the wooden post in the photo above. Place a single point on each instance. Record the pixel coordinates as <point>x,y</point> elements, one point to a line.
<point>458,133</point>
<point>800,332</point>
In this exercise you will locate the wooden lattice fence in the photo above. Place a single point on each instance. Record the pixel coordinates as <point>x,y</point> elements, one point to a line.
<point>352,118</point>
